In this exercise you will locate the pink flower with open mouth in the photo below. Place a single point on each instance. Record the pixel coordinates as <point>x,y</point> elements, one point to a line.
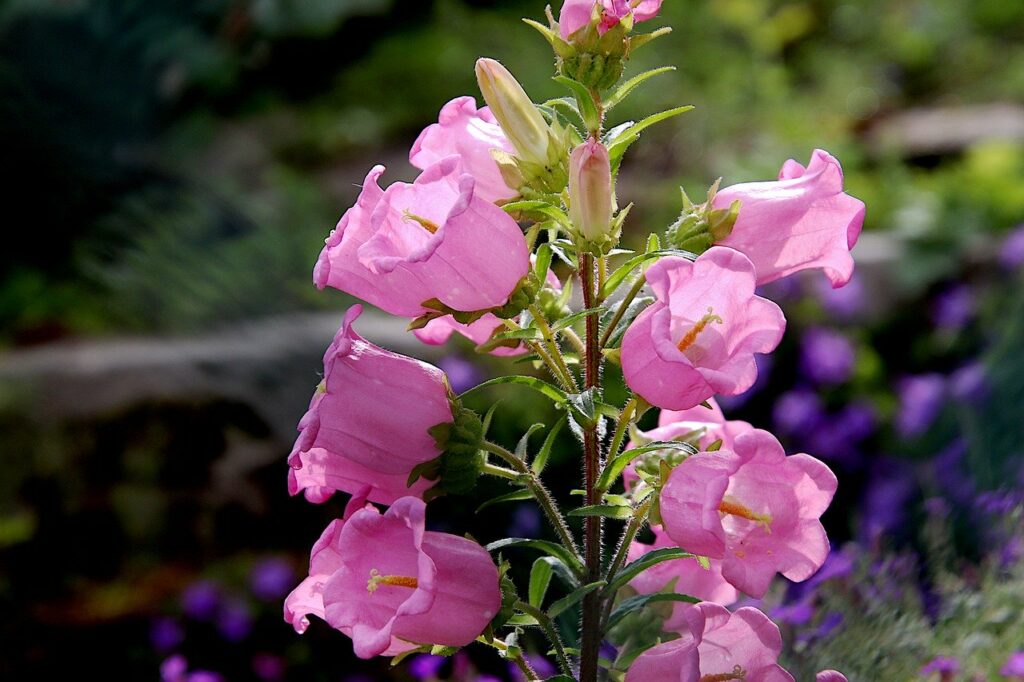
<point>692,578</point>
<point>803,220</point>
<point>576,14</point>
<point>368,421</point>
<point>471,133</point>
<point>395,586</point>
<point>752,507</point>
<point>432,239</point>
<point>700,335</point>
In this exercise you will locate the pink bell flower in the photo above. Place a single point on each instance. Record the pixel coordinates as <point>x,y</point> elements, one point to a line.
<point>752,507</point>
<point>803,220</point>
<point>396,583</point>
<point>368,422</point>
<point>700,335</point>
<point>576,14</point>
<point>716,645</point>
<point>434,238</point>
<point>464,130</point>
<point>693,579</point>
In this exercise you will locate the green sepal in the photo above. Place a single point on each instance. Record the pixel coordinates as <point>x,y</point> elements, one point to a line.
<point>700,226</point>
<point>509,597</point>
<point>461,460</point>
<point>520,299</point>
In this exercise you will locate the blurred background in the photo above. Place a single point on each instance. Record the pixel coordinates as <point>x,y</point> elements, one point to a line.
<point>173,166</point>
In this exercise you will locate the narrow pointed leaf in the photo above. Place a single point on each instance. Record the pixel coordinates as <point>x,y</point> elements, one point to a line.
<point>622,143</point>
<point>632,84</point>
<point>588,110</point>
<point>652,558</point>
<point>570,320</point>
<point>524,442</point>
<point>514,496</point>
<point>540,578</point>
<point>635,603</point>
<point>541,460</point>
<point>573,598</point>
<point>544,388</point>
<point>551,548</point>
<point>608,511</point>
<point>614,468</point>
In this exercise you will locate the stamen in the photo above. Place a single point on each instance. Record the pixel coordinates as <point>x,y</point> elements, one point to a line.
<point>427,224</point>
<point>734,508</point>
<point>691,336</point>
<point>376,580</point>
<point>737,673</point>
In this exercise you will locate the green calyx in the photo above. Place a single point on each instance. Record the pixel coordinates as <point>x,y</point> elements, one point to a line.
<point>700,226</point>
<point>535,178</point>
<point>461,460</point>
<point>519,300</point>
<point>509,597</point>
<point>606,242</point>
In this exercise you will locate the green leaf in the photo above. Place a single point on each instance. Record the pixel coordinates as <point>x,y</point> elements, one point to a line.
<point>608,511</point>
<point>632,84</point>
<point>522,619</point>
<point>632,604</point>
<point>488,417</point>
<point>617,148</point>
<point>543,263</point>
<point>570,320</point>
<point>514,496</point>
<point>571,599</point>
<point>652,558</point>
<point>544,388</point>
<point>405,654</point>
<point>622,272</point>
<point>527,333</point>
<point>638,41</point>
<point>541,460</point>
<point>614,468</point>
<point>588,110</point>
<point>583,406</point>
<point>568,112</point>
<point>540,578</point>
<point>524,442</point>
<point>551,548</point>
<point>536,210</point>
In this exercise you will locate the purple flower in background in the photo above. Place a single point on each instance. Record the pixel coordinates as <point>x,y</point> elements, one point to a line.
<point>954,308</point>
<point>1014,666</point>
<point>887,498</point>
<point>950,473</point>
<point>165,634</point>
<point>836,437</point>
<point>783,290</point>
<point>798,613</point>
<point>462,374</point>
<point>234,622</point>
<point>845,303</point>
<point>921,398</point>
<point>797,410</point>
<point>764,367</point>
<point>175,669</point>
<point>272,578</point>
<point>942,665</point>
<point>542,666</point>
<point>201,600</point>
<point>826,356</point>
<point>525,522</point>
<point>1011,256</point>
<point>829,624</point>
<point>969,384</point>
<point>426,666</point>
<point>269,667</point>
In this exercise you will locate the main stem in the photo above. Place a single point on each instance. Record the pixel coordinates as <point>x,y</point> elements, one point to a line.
<point>591,636</point>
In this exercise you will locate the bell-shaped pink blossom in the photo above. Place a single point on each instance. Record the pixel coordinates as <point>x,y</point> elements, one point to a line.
<point>803,220</point>
<point>716,645</point>
<point>470,133</point>
<point>691,578</point>
<point>700,335</point>
<point>576,14</point>
<point>432,239</point>
<point>752,507</point>
<point>396,583</point>
<point>324,560</point>
<point>368,421</point>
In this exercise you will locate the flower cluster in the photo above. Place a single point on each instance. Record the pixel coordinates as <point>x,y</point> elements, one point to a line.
<point>508,196</point>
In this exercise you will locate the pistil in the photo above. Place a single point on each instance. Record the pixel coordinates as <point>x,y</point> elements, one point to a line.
<point>691,336</point>
<point>426,223</point>
<point>737,673</point>
<point>733,508</point>
<point>376,580</point>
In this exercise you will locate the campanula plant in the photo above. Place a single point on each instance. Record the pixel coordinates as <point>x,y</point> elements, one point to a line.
<point>515,208</point>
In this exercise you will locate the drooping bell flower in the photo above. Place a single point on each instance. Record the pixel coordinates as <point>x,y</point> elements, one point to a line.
<point>368,421</point>
<point>700,335</point>
<point>576,14</point>
<point>716,646</point>
<point>432,239</point>
<point>471,133</point>
<point>591,201</point>
<point>752,507</point>
<point>395,585</point>
<point>803,220</point>
<point>691,577</point>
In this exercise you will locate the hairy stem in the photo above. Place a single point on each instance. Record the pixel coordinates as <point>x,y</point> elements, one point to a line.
<point>524,666</point>
<point>627,299</point>
<point>553,348</point>
<point>625,419</point>
<point>548,626</point>
<point>543,497</point>
<point>591,623</point>
<point>568,383</point>
<point>628,535</point>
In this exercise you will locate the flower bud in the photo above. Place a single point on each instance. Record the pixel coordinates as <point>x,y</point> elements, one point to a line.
<point>519,118</point>
<point>590,190</point>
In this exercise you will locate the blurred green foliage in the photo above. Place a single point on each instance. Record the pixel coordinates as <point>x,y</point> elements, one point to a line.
<point>148,142</point>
